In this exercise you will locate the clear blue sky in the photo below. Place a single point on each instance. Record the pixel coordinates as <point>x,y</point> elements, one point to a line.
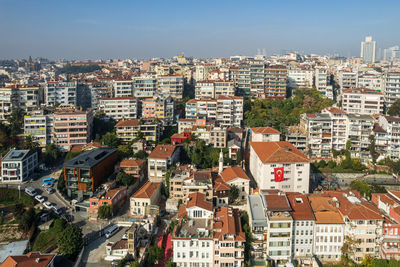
<point>86,29</point>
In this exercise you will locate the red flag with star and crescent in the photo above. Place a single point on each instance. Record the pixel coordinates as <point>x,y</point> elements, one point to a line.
<point>278,172</point>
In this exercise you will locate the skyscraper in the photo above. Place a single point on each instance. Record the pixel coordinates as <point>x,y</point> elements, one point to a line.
<point>368,50</point>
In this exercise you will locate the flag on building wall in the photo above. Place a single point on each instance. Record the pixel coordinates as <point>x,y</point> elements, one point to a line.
<point>278,172</point>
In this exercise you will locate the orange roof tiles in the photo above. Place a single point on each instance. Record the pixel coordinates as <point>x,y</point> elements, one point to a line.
<point>120,98</point>
<point>324,211</point>
<point>227,221</point>
<point>147,190</point>
<point>132,162</point>
<point>301,209</point>
<point>232,173</point>
<point>162,151</point>
<point>265,130</point>
<point>199,200</point>
<point>127,123</point>
<point>335,110</point>
<point>28,260</point>
<point>278,152</point>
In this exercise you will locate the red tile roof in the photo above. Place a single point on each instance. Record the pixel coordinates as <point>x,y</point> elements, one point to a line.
<point>278,152</point>
<point>28,260</point>
<point>199,200</point>
<point>301,209</point>
<point>227,221</point>
<point>232,173</point>
<point>335,110</point>
<point>324,210</point>
<point>162,151</point>
<point>265,130</point>
<point>147,190</point>
<point>132,162</point>
<point>127,123</point>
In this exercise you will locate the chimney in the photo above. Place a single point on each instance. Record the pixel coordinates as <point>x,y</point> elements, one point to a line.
<point>287,148</point>
<point>37,260</point>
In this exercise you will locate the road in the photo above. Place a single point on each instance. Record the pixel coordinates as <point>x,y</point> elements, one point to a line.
<point>96,251</point>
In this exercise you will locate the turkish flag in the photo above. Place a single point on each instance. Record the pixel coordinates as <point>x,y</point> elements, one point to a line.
<point>278,172</point>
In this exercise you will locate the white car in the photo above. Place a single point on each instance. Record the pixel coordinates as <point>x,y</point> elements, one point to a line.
<point>40,198</point>
<point>48,205</point>
<point>50,190</point>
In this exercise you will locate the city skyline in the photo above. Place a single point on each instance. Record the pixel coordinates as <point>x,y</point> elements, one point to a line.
<point>102,30</point>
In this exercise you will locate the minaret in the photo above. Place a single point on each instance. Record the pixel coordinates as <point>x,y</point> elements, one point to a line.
<point>221,162</point>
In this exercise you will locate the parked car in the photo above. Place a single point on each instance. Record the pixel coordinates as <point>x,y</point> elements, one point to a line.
<point>67,217</point>
<point>31,191</point>
<point>48,205</point>
<point>50,190</point>
<point>40,198</point>
<point>57,210</point>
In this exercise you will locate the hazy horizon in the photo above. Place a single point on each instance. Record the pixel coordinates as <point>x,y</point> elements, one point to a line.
<point>77,30</point>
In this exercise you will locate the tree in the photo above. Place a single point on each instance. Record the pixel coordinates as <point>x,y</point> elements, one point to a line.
<point>27,220</point>
<point>16,121</point>
<point>70,241</point>
<point>59,225</point>
<point>394,109</point>
<point>134,264</point>
<point>125,151</point>
<point>29,143</point>
<point>140,155</point>
<point>124,179</point>
<point>349,246</point>
<point>367,261</point>
<point>70,155</point>
<point>233,194</point>
<point>362,187</point>
<point>110,139</point>
<point>105,212</point>
<point>52,153</point>
<point>102,125</point>
<point>167,177</point>
<point>170,263</point>
<point>156,254</point>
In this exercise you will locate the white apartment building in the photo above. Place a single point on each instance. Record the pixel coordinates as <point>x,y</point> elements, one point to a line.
<point>321,81</point>
<point>122,87</point>
<point>362,101</point>
<point>119,108</point>
<point>371,81</point>
<point>61,93</point>
<point>359,131</point>
<point>300,78</point>
<point>264,134</point>
<point>266,159</point>
<point>329,228</point>
<point>29,97</point>
<point>8,101</point>
<point>339,127</point>
<point>202,71</point>
<point>391,125</point>
<point>392,87</point>
<point>347,79</point>
<point>18,165</point>
<point>303,226</point>
<point>210,89</point>
<point>170,85</point>
<point>226,111</point>
<point>39,126</point>
<point>160,159</point>
<point>144,86</point>
<point>142,201</point>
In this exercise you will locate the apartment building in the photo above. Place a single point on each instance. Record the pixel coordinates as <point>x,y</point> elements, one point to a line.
<point>18,165</point>
<point>144,86</point>
<point>159,108</point>
<point>128,130</point>
<point>145,200</point>
<point>347,79</point>
<point>201,72</point>
<point>29,97</point>
<point>391,125</point>
<point>122,87</point>
<point>362,101</point>
<point>86,172</point>
<point>241,77</point>
<point>39,125</point>
<point>119,108</point>
<point>72,127</point>
<point>300,78</point>
<point>160,159</point>
<point>275,82</point>
<point>279,165</point>
<point>219,74</point>
<point>258,222</point>
<point>62,93</point>
<point>363,222</point>
<point>226,111</point>
<point>381,138</point>
<point>264,134</point>
<point>303,226</point>
<point>8,102</point>
<point>115,197</point>
<point>193,239</point>
<point>137,168</point>
<point>329,229</point>
<point>339,127</point>
<point>98,91</point>
<point>392,87</point>
<point>170,85</point>
<point>322,80</point>
<point>371,81</point>
<point>297,136</point>
<point>211,89</point>
<point>235,176</point>
<point>359,132</point>
<point>319,134</point>
<point>229,238</point>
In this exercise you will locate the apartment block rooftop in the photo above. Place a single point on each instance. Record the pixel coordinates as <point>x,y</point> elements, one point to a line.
<point>17,155</point>
<point>90,158</point>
